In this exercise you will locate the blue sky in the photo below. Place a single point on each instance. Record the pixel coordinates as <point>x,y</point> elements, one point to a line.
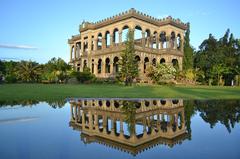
<point>38,29</point>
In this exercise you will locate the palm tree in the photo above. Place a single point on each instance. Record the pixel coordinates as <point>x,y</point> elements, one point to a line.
<point>28,71</point>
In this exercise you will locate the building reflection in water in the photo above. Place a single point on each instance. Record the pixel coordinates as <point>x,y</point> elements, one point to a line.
<point>129,125</point>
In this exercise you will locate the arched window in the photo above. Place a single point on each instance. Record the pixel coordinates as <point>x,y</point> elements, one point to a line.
<point>179,41</point>
<point>116,64</point>
<point>172,40</point>
<point>154,63</point>
<point>107,39</point>
<point>163,40</point>
<point>147,37</point>
<point>72,52</point>
<point>84,64</point>
<point>107,65</point>
<point>146,60</point>
<point>154,40</point>
<point>99,65</point>
<point>125,32</point>
<point>99,41</point>
<point>92,65</point>
<point>175,63</point>
<point>162,61</point>
<point>116,36</point>
<point>138,35</point>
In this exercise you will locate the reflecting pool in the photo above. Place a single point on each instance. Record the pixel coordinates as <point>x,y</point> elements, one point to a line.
<point>120,128</point>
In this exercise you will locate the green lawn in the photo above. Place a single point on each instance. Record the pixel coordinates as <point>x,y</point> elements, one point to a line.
<point>62,91</point>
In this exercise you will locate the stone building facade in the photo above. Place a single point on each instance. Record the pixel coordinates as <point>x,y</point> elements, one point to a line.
<point>99,45</point>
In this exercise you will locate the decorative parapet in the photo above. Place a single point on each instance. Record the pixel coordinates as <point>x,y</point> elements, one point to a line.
<point>129,14</point>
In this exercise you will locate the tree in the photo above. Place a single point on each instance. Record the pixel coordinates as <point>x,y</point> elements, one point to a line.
<point>213,54</point>
<point>2,70</point>
<point>28,71</point>
<point>188,51</point>
<point>219,70</point>
<point>128,63</point>
<point>9,74</point>
<point>57,69</point>
<point>2,67</point>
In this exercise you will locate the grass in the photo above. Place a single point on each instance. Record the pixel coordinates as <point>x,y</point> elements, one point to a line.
<point>61,91</point>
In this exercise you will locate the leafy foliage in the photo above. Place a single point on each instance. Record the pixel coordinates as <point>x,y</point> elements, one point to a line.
<point>161,72</point>
<point>28,71</point>
<point>83,77</point>
<point>188,51</point>
<point>56,70</point>
<point>219,59</point>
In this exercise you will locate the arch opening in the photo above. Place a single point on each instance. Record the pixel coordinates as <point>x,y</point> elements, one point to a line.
<point>99,41</point>
<point>107,65</point>
<point>99,65</point>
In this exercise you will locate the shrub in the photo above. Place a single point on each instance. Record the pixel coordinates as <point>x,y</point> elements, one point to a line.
<point>83,77</point>
<point>11,78</point>
<point>162,74</point>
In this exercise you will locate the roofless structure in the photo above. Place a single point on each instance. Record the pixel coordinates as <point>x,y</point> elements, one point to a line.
<point>99,45</point>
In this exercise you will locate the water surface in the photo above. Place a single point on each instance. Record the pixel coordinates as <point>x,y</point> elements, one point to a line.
<point>120,128</point>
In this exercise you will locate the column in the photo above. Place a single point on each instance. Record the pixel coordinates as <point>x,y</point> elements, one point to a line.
<point>82,46</point>
<point>142,65</point>
<point>75,51</point>
<point>120,37</point>
<point>182,45</point>
<point>111,40</point>
<point>143,39</point>
<point>111,66</point>
<point>83,120</point>
<point>95,67</point>
<point>89,43</point>
<point>103,42</point>
<point>90,124</point>
<point>103,68</point>
<point>76,115</point>
<point>151,41</point>
<point>157,42</point>
<point>175,43</point>
<point>121,128</point>
<point>79,114</point>
<point>95,44</point>
<point>71,109</point>
<point>70,52</point>
<point>112,126</point>
<point>104,123</point>
<point>96,122</point>
<point>148,39</point>
<point>167,42</point>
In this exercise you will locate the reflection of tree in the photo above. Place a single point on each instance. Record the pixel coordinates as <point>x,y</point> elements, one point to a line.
<point>129,109</point>
<point>56,103</point>
<point>227,112</point>
<point>189,113</point>
<point>12,103</point>
<point>18,102</point>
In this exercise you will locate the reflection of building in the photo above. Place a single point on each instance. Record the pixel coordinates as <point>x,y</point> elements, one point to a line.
<point>99,45</point>
<point>104,121</point>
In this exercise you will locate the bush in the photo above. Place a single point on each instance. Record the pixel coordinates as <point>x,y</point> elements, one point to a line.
<point>83,77</point>
<point>10,78</point>
<point>161,74</point>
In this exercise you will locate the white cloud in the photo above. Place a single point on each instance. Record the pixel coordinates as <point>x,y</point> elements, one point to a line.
<point>25,47</point>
